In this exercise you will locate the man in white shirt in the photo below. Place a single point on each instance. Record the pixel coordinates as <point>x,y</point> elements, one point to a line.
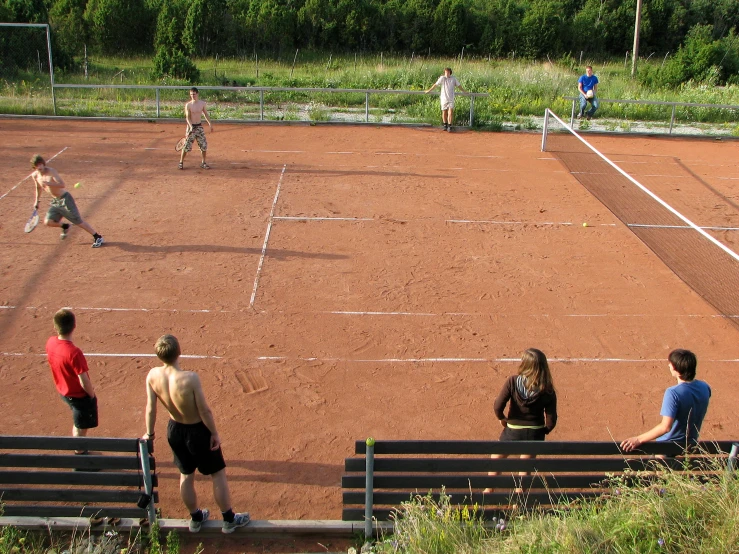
<point>447,83</point>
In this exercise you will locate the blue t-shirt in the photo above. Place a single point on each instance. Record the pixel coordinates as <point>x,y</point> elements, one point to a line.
<point>588,82</point>
<point>687,403</point>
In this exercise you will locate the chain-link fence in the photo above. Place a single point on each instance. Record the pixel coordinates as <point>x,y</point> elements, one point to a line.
<point>26,70</point>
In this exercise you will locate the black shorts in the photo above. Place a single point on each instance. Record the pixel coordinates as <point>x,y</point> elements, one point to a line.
<point>191,448</point>
<point>84,411</point>
<point>509,434</point>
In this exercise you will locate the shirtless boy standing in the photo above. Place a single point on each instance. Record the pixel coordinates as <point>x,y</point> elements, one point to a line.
<point>62,203</point>
<point>194,111</point>
<point>191,434</point>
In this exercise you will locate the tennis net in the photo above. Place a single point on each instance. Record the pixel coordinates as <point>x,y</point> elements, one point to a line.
<point>705,264</point>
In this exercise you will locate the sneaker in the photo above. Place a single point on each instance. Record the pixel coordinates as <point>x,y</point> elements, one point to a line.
<point>239,521</point>
<point>588,117</point>
<point>98,242</point>
<point>63,234</point>
<point>196,525</point>
<point>448,128</point>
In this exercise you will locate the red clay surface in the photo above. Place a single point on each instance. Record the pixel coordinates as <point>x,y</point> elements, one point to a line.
<point>400,324</point>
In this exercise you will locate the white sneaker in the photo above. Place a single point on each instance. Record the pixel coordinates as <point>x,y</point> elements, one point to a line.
<point>196,525</point>
<point>63,234</point>
<point>239,521</point>
<point>98,242</point>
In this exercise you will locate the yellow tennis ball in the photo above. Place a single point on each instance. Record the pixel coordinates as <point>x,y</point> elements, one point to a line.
<point>585,224</point>
<point>77,185</point>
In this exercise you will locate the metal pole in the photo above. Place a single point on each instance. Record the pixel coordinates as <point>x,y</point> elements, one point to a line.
<point>261,105</point>
<point>51,67</point>
<point>157,101</point>
<point>572,114</point>
<point>148,488</point>
<point>366,107</point>
<point>637,24</point>
<point>546,128</point>
<point>472,111</point>
<point>731,465</point>
<point>672,118</point>
<point>369,487</point>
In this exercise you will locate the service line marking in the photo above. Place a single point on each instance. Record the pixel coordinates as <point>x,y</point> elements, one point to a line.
<point>301,218</point>
<point>113,355</point>
<point>29,175</point>
<point>266,238</point>
<point>681,227</point>
<point>469,360</point>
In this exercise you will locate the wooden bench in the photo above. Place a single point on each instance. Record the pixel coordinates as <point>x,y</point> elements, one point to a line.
<point>380,477</point>
<point>52,482</point>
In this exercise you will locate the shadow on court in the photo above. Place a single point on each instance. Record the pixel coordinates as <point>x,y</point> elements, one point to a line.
<point>273,253</point>
<point>274,471</point>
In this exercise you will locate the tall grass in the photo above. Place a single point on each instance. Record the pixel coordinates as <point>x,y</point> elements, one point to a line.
<point>676,513</point>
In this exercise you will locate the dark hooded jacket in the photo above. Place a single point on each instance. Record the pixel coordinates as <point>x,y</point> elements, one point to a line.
<point>528,408</point>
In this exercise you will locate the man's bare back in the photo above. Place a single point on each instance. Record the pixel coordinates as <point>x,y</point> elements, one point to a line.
<point>177,391</point>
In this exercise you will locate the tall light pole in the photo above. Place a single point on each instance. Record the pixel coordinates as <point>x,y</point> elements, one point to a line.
<point>635,53</point>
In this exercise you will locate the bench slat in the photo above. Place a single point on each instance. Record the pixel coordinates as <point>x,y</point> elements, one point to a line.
<point>72,461</point>
<point>72,511</point>
<point>492,499</point>
<point>104,478</point>
<point>71,443</point>
<point>428,482</point>
<point>530,447</point>
<point>541,465</point>
<point>82,496</point>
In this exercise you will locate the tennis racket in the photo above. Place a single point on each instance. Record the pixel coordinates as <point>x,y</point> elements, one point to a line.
<point>181,143</point>
<point>32,222</point>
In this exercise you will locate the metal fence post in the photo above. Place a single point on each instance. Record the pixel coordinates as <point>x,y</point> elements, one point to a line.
<point>731,464</point>
<point>366,109</point>
<point>261,105</point>
<point>672,118</point>
<point>546,129</point>
<point>51,67</point>
<point>472,111</point>
<point>572,115</point>
<point>369,487</point>
<point>148,487</point>
<point>157,101</point>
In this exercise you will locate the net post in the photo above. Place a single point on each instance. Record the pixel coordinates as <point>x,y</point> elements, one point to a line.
<point>672,118</point>
<point>546,128</point>
<point>369,487</point>
<point>51,67</point>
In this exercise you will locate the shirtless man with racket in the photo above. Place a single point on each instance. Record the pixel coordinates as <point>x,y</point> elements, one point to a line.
<point>62,204</point>
<point>195,111</point>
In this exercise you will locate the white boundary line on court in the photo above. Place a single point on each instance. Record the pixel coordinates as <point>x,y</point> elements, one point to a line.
<point>369,313</point>
<point>29,175</point>
<point>644,189</point>
<point>471,360</point>
<point>111,355</point>
<point>266,238</point>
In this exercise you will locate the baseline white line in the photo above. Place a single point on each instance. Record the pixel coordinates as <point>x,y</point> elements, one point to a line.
<point>113,355</point>
<point>468,360</point>
<point>681,227</point>
<point>266,238</point>
<point>277,151</point>
<point>299,218</point>
<point>29,175</point>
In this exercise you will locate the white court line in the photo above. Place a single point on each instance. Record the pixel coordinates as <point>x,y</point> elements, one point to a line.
<point>112,355</point>
<point>278,151</point>
<point>27,176</point>
<point>340,152</point>
<point>300,218</point>
<point>681,227</point>
<point>266,238</point>
<point>470,360</point>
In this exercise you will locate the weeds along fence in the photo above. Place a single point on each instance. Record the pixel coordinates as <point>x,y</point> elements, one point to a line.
<point>261,103</point>
<point>632,110</point>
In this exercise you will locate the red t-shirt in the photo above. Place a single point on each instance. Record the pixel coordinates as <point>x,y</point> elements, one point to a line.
<point>66,362</point>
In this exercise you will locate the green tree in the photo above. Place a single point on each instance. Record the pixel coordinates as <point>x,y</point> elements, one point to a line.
<point>209,28</point>
<point>450,27</point>
<point>66,18</point>
<point>171,58</point>
<point>119,26</point>
<point>542,28</point>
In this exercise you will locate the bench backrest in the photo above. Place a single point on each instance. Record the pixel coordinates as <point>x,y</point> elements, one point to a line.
<point>560,472</point>
<point>42,477</point>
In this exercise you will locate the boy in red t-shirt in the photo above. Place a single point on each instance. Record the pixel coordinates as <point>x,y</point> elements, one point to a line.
<point>70,372</point>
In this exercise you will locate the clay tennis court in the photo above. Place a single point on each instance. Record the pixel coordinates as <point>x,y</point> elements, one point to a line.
<point>404,272</point>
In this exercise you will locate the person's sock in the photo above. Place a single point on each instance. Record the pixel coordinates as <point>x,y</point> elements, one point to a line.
<point>65,226</point>
<point>229,515</point>
<point>96,236</point>
<point>197,516</point>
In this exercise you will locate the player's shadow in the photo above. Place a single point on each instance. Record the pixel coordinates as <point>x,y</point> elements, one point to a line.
<point>274,253</point>
<point>274,471</point>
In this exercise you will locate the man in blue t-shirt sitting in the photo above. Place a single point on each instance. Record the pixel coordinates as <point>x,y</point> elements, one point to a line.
<point>683,407</point>
<point>588,87</point>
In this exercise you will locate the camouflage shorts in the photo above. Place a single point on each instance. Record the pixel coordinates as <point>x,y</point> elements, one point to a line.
<point>197,133</point>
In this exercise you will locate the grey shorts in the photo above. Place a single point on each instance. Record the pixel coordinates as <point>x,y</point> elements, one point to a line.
<point>64,206</point>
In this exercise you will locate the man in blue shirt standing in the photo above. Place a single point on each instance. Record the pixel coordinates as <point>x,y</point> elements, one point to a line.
<point>588,87</point>
<point>683,407</point>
